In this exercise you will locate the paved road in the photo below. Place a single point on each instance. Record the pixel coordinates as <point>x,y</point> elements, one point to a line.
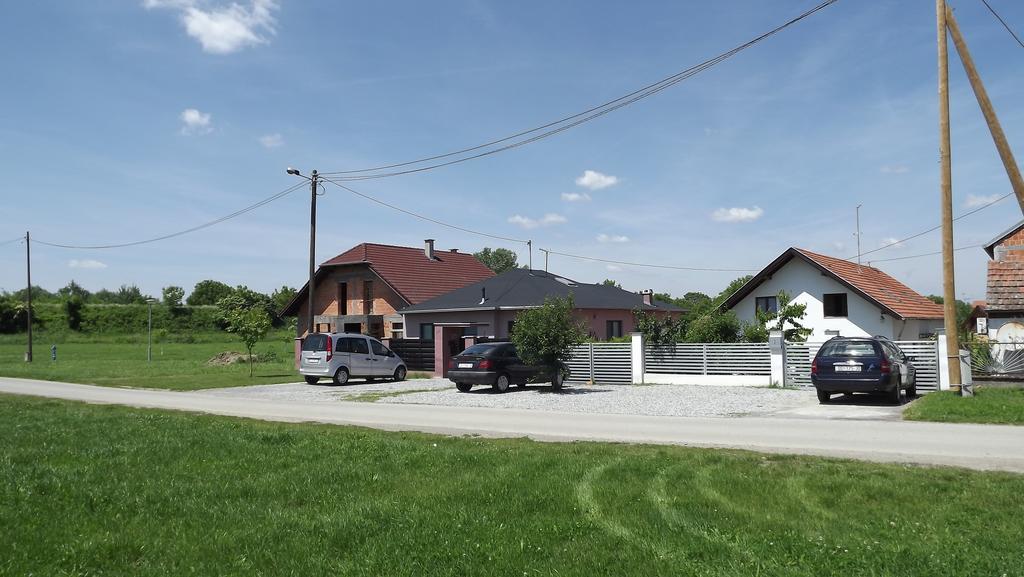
<point>990,447</point>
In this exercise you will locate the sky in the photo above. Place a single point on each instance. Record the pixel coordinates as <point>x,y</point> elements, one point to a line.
<point>127,120</point>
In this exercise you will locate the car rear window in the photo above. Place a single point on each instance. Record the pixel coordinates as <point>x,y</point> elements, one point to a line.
<point>314,343</point>
<point>481,349</point>
<point>848,349</point>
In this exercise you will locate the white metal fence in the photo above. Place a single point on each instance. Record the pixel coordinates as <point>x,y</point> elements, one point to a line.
<point>609,363</point>
<point>923,355</point>
<point>709,359</point>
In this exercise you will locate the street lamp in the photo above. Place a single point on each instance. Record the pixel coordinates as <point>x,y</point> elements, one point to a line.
<point>149,348</point>
<point>312,241</point>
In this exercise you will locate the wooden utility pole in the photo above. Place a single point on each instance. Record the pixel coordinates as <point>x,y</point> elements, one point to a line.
<point>946,200</point>
<point>312,251</point>
<point>28,273</point>
<point>1009,163</point>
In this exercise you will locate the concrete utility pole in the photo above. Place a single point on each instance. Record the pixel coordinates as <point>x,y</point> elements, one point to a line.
<point>28,273</point>
<point>545,251</point>
<point>1002,145</point>
<point>858,234</point>
<point>946,201</point>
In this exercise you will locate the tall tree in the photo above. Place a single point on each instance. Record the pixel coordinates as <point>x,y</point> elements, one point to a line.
<point>173,295</point>
<point>280,297</point>
<point>208,292</point>
<point>610,282</point>
<point>499,260</point>
<point>74,289</point>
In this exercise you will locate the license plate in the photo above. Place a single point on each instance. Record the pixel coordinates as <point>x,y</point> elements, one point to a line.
<point>465,365</point>
<point>847,368</point>
<point>313,361</point>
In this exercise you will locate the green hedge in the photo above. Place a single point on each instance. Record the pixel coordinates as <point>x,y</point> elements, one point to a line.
<point>120,319</point>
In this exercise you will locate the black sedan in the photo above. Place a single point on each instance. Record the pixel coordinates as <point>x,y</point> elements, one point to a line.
<point>498,365</point>
<point>862,365</point>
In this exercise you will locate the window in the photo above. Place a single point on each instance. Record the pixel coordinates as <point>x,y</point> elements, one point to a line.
<point>511,325</point>
<point>359,346</point>
<point>314,342</point>
<point>397,330</point>
<point>766,304</point>
<point>379,349</point>
<point>427,331</point>
<point>367,297</point>
<point>613,329</point>
<point>343,298</point>
<point>835,305</point>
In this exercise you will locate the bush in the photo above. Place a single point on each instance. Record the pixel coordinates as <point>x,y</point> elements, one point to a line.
<point>545,335</point>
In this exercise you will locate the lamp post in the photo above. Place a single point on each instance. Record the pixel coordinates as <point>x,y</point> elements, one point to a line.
<point>312,242</point>
<point>149,347</point>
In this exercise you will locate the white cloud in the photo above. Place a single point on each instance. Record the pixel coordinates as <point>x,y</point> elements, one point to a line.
<point>612,238</point>
<point>546,220</point>
<point>575,196</point>
<point>737,214</point>
<point>613,268</point>
<point>894,169</point>
<point>595,180</point>
<point>223,29</point>
<point>974,201</point>
<point>87,263</point>
<point>195,122</point>
<point>893,242</point>
<point>271,140</point>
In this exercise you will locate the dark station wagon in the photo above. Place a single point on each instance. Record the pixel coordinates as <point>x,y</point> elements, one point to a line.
<point>498,365</point>
<point>862,365</point>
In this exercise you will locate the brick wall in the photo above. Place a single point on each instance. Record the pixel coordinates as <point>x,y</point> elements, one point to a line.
<point>1014,248</point>
<point>385,301</point>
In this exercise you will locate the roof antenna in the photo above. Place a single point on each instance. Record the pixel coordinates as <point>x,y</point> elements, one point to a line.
<point>529,246</point>
<point>483,294</point>
<point>857,234</point>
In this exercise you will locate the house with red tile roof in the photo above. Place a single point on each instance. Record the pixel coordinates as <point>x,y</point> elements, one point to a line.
<point>361,289</point>
<point>1004,298</point>
<point>843,298</point>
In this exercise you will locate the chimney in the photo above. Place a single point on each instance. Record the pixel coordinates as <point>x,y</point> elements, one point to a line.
<point>453,250</point>
<point>483,295</point>
<point>428,248</point>
<point>648,296</point>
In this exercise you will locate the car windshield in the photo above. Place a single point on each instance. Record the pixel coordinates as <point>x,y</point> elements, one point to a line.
<point>314,343</point>
<point>848,349</point>
<point>482,349</point>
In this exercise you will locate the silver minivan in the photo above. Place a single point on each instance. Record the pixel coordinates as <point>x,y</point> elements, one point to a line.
<point>340,356</point>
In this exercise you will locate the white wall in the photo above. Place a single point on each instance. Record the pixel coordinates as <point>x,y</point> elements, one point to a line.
<point>806,285</point>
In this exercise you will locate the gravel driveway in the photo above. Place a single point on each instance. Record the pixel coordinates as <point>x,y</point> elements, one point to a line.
<point>657,400</point>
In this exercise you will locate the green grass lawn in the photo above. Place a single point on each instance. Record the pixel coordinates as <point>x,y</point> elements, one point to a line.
<point>98,490</point>
<point>988,405</point>
<point>121,361</point>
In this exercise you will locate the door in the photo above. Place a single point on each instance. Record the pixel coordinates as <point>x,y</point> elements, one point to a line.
<point>383,365</point>
<point>360,360</point>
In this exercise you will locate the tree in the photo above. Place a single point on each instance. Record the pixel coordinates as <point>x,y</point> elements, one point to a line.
<point>250,323</point>
<point>545,335</point>
<point>498,260</point>
<point>129,295</point>
<point>963,309</point>
<point>786,319</point>
<point>74,290</point>
<point>281,297</point>
<point>611,283</point>
<point>73,305</point>
<point>714,326</point>
<point>173,295</point>
<point>659,331</point>
<point>730,290</point>
<point>208,292</point>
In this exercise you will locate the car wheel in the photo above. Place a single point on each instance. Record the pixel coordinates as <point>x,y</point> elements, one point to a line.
<point>823,396</point>
<point>894,394</point>
<point>341,376</point>
<point>311,380</point>
<point>912,391</point>
<point>501,384</point>
<point>400,373</point>
<point>463,387</point>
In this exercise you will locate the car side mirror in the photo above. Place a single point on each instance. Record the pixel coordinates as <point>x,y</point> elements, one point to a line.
<point>391,353</point>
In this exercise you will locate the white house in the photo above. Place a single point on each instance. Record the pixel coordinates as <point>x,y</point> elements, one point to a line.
<point>842,298</point>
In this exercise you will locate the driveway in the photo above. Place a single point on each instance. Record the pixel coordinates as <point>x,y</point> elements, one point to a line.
<point>993,447</point>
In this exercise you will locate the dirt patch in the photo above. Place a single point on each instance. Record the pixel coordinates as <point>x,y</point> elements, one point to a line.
<point>228,358</point>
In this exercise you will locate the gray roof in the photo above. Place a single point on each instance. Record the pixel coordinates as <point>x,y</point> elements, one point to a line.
<point>991,245</point>
<point>522,288</point>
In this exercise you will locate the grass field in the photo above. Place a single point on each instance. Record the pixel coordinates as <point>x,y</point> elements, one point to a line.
<point>121,361</point>
<point>96,490</point>
<point>988,405</point>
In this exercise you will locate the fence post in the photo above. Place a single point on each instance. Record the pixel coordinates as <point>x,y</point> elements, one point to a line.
<point>704,358</point>
<point>777,350</point>
<point>637,354</point>
<point>590,353</point>
<point>940,356</point>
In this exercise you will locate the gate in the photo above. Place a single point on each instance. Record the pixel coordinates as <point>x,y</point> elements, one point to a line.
<point>603,363</point>
<point>923,355</point>
<point>997,359</point>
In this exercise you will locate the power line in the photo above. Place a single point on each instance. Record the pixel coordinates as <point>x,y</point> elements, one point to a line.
<point>934,228</point>
<point>13,240</point>
<point>665,266</point>
<point>421,216</point>
<point>239,212</point>
<point>1003,22</point>
<point>925,254</point>
<point>574,120</point>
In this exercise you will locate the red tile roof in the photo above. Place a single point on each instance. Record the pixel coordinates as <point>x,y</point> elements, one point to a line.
<point>1005,286</point>
<point>878,286</point>
<point>411,274</point>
